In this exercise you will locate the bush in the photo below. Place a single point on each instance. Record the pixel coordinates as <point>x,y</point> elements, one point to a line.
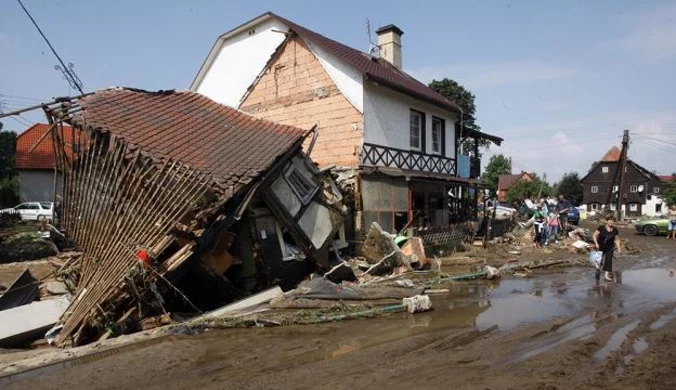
<point>9,219</point>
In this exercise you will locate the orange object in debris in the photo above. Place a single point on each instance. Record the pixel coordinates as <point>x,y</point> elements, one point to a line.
<point>143,256</point>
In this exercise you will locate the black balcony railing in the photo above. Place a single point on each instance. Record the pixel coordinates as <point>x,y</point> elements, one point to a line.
<point>383,156</point>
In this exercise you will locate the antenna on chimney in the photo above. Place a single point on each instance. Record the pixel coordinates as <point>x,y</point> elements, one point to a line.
<point>374,50</point>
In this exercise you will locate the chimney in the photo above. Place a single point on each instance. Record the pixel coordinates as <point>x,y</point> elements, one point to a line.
<point>389,42</point>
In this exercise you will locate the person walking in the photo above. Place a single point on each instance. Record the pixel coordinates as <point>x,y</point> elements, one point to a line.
<point>672,223</point>
<point>539,225</point>
<point>563,206</point>
<point>606,240</point>
<point>554,223</point>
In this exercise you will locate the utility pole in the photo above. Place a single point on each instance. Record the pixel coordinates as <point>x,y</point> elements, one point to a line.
<point>622,166</point>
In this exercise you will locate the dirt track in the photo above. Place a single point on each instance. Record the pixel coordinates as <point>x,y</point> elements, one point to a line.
<point>552,331</point>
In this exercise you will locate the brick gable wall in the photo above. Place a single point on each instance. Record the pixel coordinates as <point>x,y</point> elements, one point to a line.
<point>296,90</point>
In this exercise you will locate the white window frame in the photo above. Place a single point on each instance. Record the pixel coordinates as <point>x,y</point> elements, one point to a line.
<point>633,207</point>
<point>633,188</point>
<point>594,189</point>
<point>604,169</point>
<point>616,188</point>
<point>594,206</point>
<point>439,135</point>
<point>656,190</point>
<point>613,207</point>
<point>419,115</point>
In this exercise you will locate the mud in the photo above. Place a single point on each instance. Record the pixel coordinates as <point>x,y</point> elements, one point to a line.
<point>555,330</point>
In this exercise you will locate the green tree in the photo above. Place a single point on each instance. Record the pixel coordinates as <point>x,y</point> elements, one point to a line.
<point>670,192</point>
<point>465,100</point>
<point>9,184</point>
<point>523,190</point>
<point>570,186</point>
<point>497,165</point>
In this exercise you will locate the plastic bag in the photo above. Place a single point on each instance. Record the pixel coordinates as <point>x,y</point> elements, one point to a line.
<point>595,258</point>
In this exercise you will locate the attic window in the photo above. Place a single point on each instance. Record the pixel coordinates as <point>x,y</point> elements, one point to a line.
<point>656,190</point>
<point>633,188</point>
<point>300,180</point>
<point>594,189</point>
<point>604,169</point>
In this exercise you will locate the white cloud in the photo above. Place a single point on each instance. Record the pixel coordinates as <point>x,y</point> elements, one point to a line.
<point>652,34</point>
<point>499,73</point>
<point>573,145</point>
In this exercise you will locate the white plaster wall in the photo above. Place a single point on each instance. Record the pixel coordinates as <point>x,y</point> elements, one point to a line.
<point>348,80</point>
<point>240,60</point>
<point>649,207</point>
<point>386,119</point>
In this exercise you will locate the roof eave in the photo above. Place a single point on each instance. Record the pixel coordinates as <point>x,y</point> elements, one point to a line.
<point>379,80</point>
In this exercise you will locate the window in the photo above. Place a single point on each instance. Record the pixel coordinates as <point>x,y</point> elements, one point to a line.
<point>416,130</point>
<point>594,206</point>
<point>658,208</point>
<point>633,207</point>
<point>22,207</point>
<point>301,180</point>
<point>46,205</point>
<point>656,190</point>
<point>615,188</point>
<point>633,188</point>
<point>437,135</point>
<point>594,189</point>
<point>613,207</point>
<point>604,169</point>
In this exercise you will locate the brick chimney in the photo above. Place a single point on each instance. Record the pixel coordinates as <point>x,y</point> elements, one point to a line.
<point>389,42</point>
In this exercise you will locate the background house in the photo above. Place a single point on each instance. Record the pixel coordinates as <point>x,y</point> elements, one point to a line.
<point>34,161</point>
<point>505,182</point>
<point>641,194</point>
<point>399,137</point>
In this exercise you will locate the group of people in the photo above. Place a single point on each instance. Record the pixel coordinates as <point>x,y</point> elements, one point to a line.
<point>549,221</point>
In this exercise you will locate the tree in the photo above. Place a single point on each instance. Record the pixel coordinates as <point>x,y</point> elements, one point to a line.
<point>465,100</point>
<point>670,192</point>
<point>497,165</point>
<point>522,190</point>
<point>9,184</point>
<point>570,187</point>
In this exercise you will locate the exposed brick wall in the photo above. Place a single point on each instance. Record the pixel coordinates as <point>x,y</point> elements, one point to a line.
<point>296,90</point>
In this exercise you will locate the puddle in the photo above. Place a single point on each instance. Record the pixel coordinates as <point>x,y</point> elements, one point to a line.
<point>664,318</point>
<point>639,346</point>
<point>615,341</point>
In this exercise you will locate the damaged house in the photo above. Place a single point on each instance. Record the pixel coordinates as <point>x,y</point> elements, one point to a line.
<point>181,204</point>
<point>395,140</point>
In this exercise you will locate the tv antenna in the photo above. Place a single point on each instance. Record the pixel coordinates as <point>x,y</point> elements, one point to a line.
<point>374,50</point>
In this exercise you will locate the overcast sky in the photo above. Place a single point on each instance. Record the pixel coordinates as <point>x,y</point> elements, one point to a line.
<point>558,80</point>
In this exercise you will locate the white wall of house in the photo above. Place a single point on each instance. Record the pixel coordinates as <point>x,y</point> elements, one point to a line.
<point>349,81</point>
<point>654,206</point>
<point>387,119</point>
<point>239,61</point>
<point>38,185</point>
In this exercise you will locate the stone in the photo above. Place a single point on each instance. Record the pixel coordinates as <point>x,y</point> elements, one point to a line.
<point>378,244</point>
<point>56,288</point>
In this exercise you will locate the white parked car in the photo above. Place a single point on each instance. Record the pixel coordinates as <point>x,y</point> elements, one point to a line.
<point>33,211</point>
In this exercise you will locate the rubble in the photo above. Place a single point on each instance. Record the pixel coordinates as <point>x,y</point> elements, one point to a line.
<point>25,246</point>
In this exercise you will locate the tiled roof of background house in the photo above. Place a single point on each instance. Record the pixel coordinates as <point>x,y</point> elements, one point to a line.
<point>229,145</point>
<point>612,155</point>
<point>667,177</point>
<point>34,148</point>
<point>506,181</point>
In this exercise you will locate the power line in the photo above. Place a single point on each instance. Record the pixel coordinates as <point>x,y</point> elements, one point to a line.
<point>660,140</point>
<point>19,98</point>
<point>656,145</point>
<point>536,148</point>
<point>67,71</point>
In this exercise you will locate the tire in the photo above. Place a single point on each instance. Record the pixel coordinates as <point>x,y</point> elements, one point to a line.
<point>39,217</point>
<point>650,230</point>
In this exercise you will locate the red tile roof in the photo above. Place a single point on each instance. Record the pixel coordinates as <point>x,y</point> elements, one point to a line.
<point>505,182</point>
<point>667,177</point>
<point>612,155</point>
<point>34,148</point>
<point>230,145</point>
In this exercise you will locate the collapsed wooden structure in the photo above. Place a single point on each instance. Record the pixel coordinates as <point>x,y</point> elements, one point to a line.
<point>154,180</point>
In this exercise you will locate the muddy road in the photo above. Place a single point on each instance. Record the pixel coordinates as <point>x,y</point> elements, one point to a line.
<point>551,331</point>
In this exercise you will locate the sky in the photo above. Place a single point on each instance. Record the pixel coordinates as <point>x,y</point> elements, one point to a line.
<point>558,80</point>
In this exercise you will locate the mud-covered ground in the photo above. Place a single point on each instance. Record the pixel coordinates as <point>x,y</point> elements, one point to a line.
<point>550,331</point>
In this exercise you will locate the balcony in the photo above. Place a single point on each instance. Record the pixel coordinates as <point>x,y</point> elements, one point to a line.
<point>382,156</point>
